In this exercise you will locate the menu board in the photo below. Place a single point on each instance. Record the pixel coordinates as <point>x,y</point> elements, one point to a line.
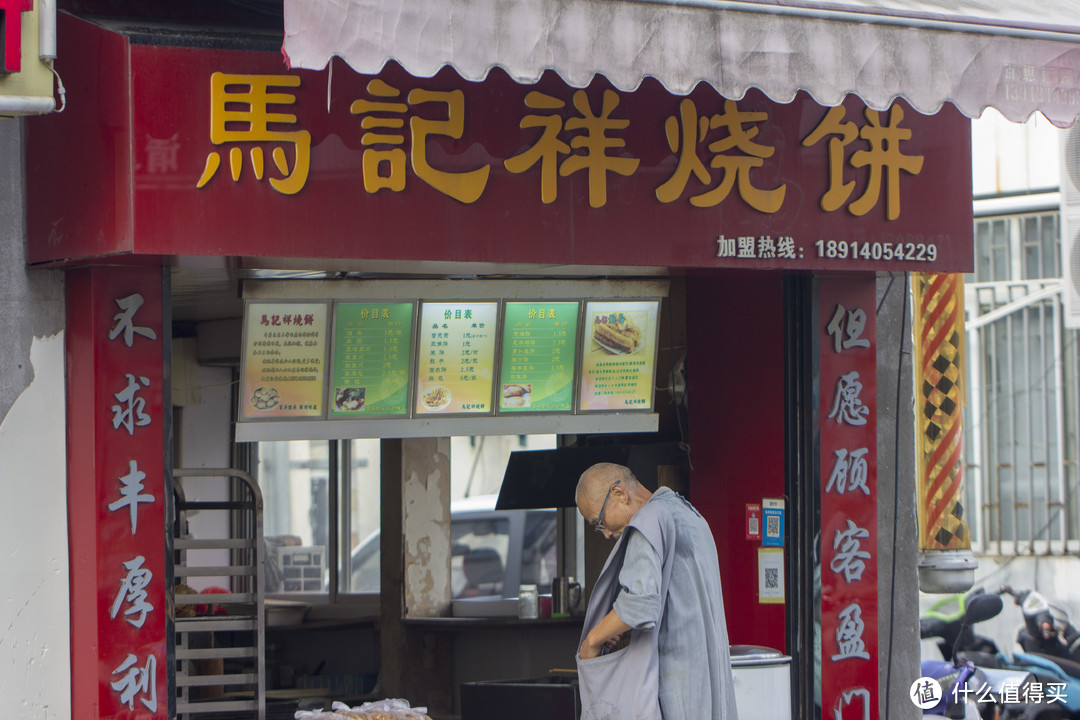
<point>618,355</point>
<point>370,370</point>
<point>284,358</point>
<point>537,369</point>
<point>455,357</point>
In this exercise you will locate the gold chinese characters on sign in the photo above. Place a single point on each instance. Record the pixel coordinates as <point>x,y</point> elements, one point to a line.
<point>718,151</point>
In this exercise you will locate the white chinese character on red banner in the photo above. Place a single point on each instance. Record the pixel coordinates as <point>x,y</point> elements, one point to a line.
<point>848,407</point>
<point>849,632</point>
<point>131,493</point>
<point>133,591</point>
<point>852,329</point>
<point>844,701</point>
<point>125,321</point>
<point>137,681</point>
<point>130,412</point>
<point>849,559</point>
<point>849,472</point>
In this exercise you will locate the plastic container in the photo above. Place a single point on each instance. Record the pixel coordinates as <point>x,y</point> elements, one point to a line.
<point>528,602</point>
<point>762,682</point>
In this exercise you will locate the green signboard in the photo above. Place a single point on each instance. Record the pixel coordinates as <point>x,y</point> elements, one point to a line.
<point>537,370</point>
<point>370,374</point>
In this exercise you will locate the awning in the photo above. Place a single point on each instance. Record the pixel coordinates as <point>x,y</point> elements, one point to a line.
<point>1018,56</point>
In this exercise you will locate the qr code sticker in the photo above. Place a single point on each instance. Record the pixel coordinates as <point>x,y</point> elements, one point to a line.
<point>772,578</point>
<point>772,529</point>
<point>754,529</point>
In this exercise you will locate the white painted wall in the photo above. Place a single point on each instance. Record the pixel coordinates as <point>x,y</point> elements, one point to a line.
<point>204,443</point>
<point>35,644</point>
<point>478,464</point>
<point>1007,157</point>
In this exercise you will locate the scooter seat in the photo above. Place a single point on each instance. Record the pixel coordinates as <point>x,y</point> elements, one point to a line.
<point>981,659</point>
<point>1071,667</point>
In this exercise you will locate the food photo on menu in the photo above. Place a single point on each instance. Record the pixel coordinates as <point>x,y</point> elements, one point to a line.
<point>265,398</point>
<point>349,399</point>
<point>620,333</point>
<point>516,395</point>
<point>436,397</point>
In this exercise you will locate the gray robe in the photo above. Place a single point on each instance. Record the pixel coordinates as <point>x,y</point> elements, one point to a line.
<point>663,579</point>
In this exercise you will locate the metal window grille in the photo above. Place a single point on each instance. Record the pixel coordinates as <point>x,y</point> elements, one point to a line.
<point>1021,417</point>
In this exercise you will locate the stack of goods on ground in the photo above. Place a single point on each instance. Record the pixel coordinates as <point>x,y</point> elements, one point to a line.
<point>391,709</point>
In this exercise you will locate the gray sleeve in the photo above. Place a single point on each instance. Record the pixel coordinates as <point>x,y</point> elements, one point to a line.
<point>638,603</point>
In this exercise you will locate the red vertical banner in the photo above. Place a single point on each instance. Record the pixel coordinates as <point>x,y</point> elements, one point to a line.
<point>848,422</point>
<point>116,492</point>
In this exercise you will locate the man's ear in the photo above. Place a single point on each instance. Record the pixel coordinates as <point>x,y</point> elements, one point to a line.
<point>620,493</point>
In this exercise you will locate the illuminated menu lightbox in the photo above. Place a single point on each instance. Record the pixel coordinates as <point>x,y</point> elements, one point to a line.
<point>455,357</point>
<point>537,369</point>
<point>353,359</point>
<point>284,356</point>
<point>618,355</point>
<point>371,360</point>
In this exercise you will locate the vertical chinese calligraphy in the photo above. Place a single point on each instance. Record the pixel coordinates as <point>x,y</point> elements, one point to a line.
<point>848,432</point>
<point>118,537</point>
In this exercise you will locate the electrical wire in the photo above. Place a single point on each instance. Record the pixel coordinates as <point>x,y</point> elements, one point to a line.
<point>60,89</point>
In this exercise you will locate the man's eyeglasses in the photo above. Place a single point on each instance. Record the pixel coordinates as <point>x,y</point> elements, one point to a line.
<point>598,526</point>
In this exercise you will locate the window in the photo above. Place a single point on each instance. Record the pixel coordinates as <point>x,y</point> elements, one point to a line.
<point>1017,247</point>
<point>1020,419</point>
<point>492,551</point>
<point>300,484</point>
<point>295,480</point>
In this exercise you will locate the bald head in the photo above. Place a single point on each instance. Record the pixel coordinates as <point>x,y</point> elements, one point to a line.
<point>594,482</point>
<point>608,495</point>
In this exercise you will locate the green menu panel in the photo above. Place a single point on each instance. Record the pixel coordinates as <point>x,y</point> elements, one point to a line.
<point>537,370</point>
<point>370,373</point>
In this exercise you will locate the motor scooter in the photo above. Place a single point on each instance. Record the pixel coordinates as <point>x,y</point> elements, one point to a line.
<point>1047,629</point>
<point>1051,647</point>
<point>970,684</point>
<point>945,621</point>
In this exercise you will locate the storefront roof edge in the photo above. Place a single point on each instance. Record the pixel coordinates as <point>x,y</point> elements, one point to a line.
<point>1014,57</point>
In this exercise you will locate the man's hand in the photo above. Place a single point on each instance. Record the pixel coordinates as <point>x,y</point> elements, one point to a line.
<point>589,650</point>
<point>607,633</point>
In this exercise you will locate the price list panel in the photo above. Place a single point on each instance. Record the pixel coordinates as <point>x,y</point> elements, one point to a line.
<point>618,355</point>
<point>371,360</point>
<point>284,351</point>
<point>455,357</point>
<point>538,348</point>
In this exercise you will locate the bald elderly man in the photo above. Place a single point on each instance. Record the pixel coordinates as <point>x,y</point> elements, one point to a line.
<point>655,642</point>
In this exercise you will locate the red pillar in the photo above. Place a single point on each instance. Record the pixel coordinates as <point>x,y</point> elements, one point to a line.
<point>115,340</point>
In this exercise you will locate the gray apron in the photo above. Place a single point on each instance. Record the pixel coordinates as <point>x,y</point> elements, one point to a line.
<point>623,684</point>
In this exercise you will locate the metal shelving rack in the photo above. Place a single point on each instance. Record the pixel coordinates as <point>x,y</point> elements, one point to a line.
<point>221,659</point>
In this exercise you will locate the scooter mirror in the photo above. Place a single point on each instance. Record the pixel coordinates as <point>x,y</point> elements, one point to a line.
<point>982,607</point>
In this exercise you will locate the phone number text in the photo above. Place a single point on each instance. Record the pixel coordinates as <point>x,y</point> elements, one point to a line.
<point>900,251</point>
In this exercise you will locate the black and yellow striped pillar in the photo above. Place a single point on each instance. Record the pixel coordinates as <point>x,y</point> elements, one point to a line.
<point>947,564</point>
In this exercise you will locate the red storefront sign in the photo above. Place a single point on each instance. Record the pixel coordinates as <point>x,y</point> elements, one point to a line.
<point>12,13</point>
<point>225,153</point>
<point>848,423</point>
<point>117,493</point>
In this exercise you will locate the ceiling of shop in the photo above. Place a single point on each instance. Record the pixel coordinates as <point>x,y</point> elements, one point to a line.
<point>201,293</point>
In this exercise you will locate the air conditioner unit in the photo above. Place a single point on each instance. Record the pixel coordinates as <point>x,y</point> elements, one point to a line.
<point>1070,224</point>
